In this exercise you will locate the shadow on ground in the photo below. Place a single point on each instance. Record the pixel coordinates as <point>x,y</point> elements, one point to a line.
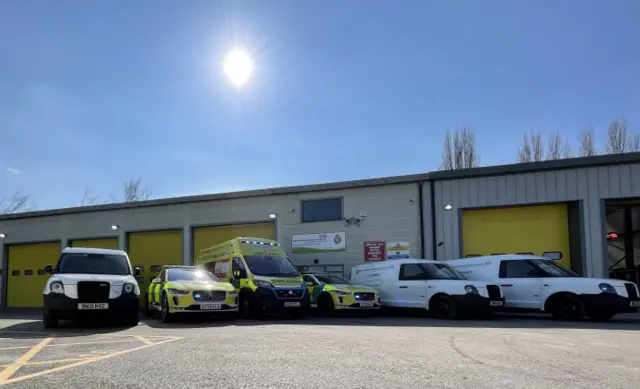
<point>29,325</point>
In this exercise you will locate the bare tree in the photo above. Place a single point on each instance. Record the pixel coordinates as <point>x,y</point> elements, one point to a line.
<point>588,143</point>
<point>133,191</point>
<point>89,198</point>
<point>558,147</point>
<point>16,203</point>
<point>635,143</point>
<point>618,137</point>
<point>531,150</point>
<point>460,151</point>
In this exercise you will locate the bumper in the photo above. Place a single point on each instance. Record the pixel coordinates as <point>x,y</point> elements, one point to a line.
<point>350,303</point>
<point>474,303</point>
<point>266,299</point>
<point>64,307</point>
<point>186,304</point>
<point>224,309</point>
<point>607,302</point>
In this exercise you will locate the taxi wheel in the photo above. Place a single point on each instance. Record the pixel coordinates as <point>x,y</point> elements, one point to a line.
<point>567,307</point>
<point>166,316</point>
<point>443,307</point>
<point>325,305</point>
<point>49,321</point>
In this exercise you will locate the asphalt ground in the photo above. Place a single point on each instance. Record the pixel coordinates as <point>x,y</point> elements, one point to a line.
<point>386,351</point>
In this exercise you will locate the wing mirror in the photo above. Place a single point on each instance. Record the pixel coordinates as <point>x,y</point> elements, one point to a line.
<point>137,271</point>
<point>240,274</point>
<point>309,283</point>
<point>48,269</point>
<point>156,281</point>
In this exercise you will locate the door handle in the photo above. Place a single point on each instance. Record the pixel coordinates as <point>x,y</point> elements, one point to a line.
<point>402,287</point>
<point>506,285</point>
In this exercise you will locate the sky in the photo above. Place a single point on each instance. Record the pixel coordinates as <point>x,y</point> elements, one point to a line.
<point>96,92</point>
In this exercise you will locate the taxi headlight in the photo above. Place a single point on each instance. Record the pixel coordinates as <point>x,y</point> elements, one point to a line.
<point>471,289</point>
<point>177,291</point>
<point>341,293</point>
<point>128,288</point>
<point>606,288</point>
<point>56,287</point>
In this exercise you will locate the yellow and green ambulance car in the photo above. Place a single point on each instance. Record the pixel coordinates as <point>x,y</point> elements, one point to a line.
<point>264,277</point>
<point>187,289</point>
<point>330,293</point>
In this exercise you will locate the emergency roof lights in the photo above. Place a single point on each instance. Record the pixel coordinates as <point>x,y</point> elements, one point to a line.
<point>258,242</point>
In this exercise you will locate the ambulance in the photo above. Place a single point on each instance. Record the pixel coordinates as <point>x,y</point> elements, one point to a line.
<point>264,277</point>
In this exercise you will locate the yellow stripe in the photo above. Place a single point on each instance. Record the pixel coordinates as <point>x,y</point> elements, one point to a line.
<point>12,368</point>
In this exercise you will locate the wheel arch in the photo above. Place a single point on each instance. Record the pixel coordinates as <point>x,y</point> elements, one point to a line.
<point>555,296</point>
<point>432,298</point>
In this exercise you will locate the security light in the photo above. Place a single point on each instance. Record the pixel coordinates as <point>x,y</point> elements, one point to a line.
<point>115,227</point>
<point>448,207</point>
<point>2,235</point>
<point>272,216</point>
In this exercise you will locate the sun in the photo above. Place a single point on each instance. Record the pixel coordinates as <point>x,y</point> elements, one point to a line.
<point>238,67</point>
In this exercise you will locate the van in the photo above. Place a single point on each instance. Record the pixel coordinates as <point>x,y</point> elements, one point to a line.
<point>540,284</point>
<point>431,285</point>
<point>265,279</point>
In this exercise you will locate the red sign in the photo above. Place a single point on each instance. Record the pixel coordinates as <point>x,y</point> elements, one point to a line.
<point>375,251</point>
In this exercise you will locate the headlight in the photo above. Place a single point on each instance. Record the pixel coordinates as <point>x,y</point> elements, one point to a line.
<point>128,288</point>
<point>341,293</point>
<point>606,288</point>
<point>471,289</point>
<point>231,292</point>
<point>56,287</point>
<point>262,284</point>
<point>177,291</point>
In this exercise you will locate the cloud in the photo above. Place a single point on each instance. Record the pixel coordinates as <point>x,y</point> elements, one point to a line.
<point>12,171</point>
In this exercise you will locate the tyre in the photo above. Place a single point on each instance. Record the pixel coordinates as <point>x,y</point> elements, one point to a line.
<point>133,319</point>
<point>149,312</point>
<point>49,321</point>
<point>326,306</point>
<point>600,315</point>
<point>567,307</point>
<point>443,307</point>
<point>166,316</point>
<point>300,313</point>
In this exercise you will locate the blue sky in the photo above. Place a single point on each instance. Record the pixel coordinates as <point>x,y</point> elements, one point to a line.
<point>92,93</point>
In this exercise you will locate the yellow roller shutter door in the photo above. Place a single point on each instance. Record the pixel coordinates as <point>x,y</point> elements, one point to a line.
<point>531,229</point>
<point>26,277</point>
<point>99,243</point>
<point>151,250</point>
<point>204,237</point>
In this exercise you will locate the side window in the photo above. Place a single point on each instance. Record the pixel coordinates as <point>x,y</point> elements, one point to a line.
<point>412,272</point>
<point>162,275</point>
<point>517,269</point>
<point>236,265</point>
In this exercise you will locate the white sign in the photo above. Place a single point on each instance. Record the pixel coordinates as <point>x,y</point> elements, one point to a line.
<point>397,250</point>
<point>330,242</point>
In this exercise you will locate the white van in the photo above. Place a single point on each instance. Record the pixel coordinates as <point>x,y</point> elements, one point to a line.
<point>540,284</point>
<point>432,285</point>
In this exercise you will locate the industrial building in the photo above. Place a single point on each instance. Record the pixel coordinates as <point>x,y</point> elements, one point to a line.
<point>584,209</point>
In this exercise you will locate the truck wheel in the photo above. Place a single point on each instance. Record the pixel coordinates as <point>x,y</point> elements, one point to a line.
<point>567,307</point>
<point>167,317</point>
<point>600,315</point>
<point>443,307</point>
<point>325,305</point>
<point>49,321</point>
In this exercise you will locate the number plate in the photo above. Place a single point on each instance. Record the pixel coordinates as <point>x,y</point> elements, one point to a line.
<point>93,306</point>
<point>292,304</point>
<point>366,305</point>
<point>496,303</point>
<point>634,304</point>
<point>210,306</point>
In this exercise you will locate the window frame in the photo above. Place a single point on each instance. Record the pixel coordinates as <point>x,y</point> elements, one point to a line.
<point>404,265</point>
<point>505,262</point>
<point>303,201</point>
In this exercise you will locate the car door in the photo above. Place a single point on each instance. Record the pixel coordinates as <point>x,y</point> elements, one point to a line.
<point>411,286</point>
<point>157,286</point>
<point>521,284</point>
<point>313,289</point>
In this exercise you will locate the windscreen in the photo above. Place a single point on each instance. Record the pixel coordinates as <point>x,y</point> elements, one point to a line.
<point>553,269</point>
<point>190,275</point>
<point>331,279</point>
<point>83,263</point>
<point>270,266</point>
<point>439,271</point>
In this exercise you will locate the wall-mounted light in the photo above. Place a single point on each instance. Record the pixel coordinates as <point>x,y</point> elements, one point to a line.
<point>2,235</point>
<point>272,216</point>
<point>115,227</point>
<point>448,207</point>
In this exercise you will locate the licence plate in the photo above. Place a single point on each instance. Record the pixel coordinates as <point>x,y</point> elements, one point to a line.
<point>210,306</point>
<point>634,304</point>
<point>366,305</point>
<point>93,306</point>
<point>292,304</point>
<point>496,303</point>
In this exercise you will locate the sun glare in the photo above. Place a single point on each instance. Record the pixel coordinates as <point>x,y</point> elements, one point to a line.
<point>238,67</point>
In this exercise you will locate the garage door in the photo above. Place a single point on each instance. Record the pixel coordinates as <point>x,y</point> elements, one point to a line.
<point>204,237</point>
<point>26,277</point>
<point>99,243</point>
<point>536,229</point>
<point>151,250</point>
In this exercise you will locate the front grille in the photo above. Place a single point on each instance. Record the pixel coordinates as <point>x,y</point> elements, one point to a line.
<point>93,291</point>
<point>289,293</point>
<point>204,295</point>
<point>494,292</point>
<point>631,291</point>
<point>365,296</point>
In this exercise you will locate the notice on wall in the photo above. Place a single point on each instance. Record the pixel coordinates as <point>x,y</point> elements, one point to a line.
<point>397,250</point>
<point>330,242</point>
<point>375,251</point>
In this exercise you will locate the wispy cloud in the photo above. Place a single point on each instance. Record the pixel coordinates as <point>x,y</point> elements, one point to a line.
<point>12,171</point>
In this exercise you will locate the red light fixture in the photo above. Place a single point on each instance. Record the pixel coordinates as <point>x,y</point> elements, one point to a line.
<point>612,235</point>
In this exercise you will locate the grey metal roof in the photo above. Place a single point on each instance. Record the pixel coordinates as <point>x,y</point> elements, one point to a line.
<point>572,163</point>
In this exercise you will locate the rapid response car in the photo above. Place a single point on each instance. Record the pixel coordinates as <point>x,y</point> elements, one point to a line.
<point>329,293</point>
<point>188,289</point>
